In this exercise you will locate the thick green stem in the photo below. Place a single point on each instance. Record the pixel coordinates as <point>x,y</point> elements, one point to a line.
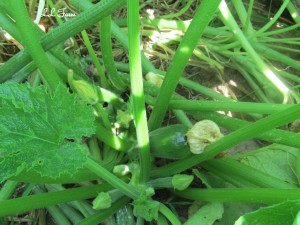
<point>107,54</point>
<point>162,220</point>
<point>182,117</point>
<point>200,21</point>
<point>137,90</point>
<point>248,26</point>
<point>275,55</point>
<point>294,11</point>
<point>257,195</point>
<point>24,204</point>
<point>246,107</point>
<point>164,210</point>
<point>52,6</point>
<point>244,16</point>
<point>32,44</point>
<point>123,39</point>
<point>8,189</point>
<point>110,178</point>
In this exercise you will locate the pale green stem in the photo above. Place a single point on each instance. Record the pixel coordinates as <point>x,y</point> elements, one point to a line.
<point>137,89</point>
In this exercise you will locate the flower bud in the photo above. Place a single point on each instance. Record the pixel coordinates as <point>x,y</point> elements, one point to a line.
<point>121,170</point>
<point>202,134</point>
<point>123,119</point>
<point>154,79</point>
<point>182,181</point>
<point>85,90</point>
<point>102,201</point>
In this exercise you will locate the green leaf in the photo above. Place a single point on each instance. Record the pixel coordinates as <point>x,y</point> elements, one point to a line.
<point>42,132</point>
<point>207,214</point>
<point>233,210</point>
<point>276,160</point>
<point>147,209</point>
<point>283,213</point>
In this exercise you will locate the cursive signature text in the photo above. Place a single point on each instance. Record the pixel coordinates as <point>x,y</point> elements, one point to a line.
<point>60,12</point>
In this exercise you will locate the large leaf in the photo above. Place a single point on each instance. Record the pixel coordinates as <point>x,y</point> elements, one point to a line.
<point>276,160</point>
<point>207,214</point>
<point>283,213</point>
<point>233,210</point>
<point>41,131</point>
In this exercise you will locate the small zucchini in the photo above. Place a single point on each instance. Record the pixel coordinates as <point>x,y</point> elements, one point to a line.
<point>169,142</point>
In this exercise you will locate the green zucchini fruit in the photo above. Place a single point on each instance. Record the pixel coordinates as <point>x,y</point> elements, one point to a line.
<point>169,142</point>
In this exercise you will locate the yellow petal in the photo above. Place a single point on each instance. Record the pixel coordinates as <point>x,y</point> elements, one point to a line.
<point>202,134</point>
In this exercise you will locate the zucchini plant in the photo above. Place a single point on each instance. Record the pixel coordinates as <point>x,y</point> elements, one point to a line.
<point>92,149</point>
